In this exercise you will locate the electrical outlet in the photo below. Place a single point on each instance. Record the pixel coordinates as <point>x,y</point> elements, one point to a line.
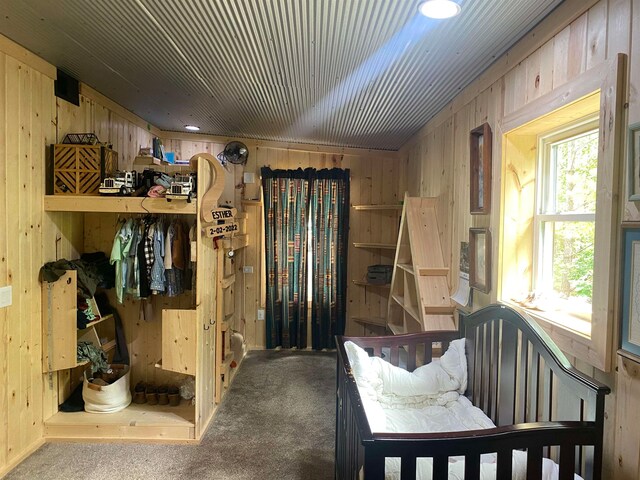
<point>247,269</point>
<point>5,296</point>
<point>261,314</point>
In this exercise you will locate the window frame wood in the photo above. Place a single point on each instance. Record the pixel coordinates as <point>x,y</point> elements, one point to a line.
<point>609,79</point>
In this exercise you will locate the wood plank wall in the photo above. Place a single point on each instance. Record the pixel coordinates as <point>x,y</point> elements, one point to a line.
<point>27,107</point>
<point>29,237</point>
<point>376,177</point>
<point>578,36</point>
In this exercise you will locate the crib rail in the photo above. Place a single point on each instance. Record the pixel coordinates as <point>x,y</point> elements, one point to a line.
<point>516,375</point>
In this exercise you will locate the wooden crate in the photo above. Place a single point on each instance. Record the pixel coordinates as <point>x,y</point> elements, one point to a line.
<point>79,169</point>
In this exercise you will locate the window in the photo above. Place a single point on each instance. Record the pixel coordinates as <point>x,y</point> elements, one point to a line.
<point>564,219</point>
<point>552,239</point>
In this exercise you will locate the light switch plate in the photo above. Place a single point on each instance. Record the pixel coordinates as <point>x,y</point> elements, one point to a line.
<point>261,314</point>
<point>5,296</point>
<point>249,177</point>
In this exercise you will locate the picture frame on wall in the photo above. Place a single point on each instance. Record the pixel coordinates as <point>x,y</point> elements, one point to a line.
<point>633,163</point>
<point>480,259</point>
<point>630,321</point>
<point>480,170</point>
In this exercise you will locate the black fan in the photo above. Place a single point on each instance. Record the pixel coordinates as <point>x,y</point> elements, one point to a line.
<point>234,152</point>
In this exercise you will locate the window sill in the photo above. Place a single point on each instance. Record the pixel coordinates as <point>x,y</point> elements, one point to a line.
<point>567,320</point>
<point>571,334</point>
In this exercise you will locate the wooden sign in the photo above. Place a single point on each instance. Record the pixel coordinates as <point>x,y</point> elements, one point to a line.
<point>221,230</point>
<point>225,214</point>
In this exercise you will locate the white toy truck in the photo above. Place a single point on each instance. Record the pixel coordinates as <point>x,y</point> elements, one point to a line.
<point>183,187</point>
<point>122,183</point>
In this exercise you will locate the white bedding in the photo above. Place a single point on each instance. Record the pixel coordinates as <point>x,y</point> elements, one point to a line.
<point>429,399</point>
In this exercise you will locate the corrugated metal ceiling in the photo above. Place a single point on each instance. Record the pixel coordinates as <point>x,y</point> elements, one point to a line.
<point>360,73</point>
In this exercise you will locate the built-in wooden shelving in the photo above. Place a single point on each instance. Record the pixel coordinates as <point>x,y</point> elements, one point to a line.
<point>93,203</point>
<point>377,207</point>
<point>386,246</point>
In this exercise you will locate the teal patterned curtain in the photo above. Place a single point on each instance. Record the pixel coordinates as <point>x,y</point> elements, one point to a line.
<point>329,215</point>
<point>286,199</point>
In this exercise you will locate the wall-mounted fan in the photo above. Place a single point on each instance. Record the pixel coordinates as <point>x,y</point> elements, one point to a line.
<point>234,152</point>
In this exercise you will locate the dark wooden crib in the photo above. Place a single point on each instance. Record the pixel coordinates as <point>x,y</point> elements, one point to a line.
<point>517,376</point>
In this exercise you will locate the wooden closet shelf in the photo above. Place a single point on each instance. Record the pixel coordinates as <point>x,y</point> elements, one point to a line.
<point>377,321</point>
<point>92,203</point>
<point>364,283</point>
<point>388,246</point>
<point>377,207</point>
<point>94,323</point>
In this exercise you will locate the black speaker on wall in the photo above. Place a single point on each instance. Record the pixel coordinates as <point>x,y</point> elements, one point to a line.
<point>66,88</point>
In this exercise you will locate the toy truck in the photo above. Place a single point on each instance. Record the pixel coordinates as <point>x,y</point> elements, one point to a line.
<point>183,187</point>
<point>122,183</point>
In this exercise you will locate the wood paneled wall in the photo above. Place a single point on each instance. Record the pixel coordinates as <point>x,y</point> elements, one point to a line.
<point>29,237</point>
<point>376,178</point>
<point>27,107</point>
<point>578,36</point>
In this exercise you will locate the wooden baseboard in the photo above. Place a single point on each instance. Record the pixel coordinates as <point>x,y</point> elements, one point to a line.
<point>26,453</point>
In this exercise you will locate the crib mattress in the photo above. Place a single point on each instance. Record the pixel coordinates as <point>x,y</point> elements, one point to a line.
<point>457,415</point>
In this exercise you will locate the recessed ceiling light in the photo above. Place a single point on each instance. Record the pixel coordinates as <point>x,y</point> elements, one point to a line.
<point>193,128</point>
<point>439,8</point>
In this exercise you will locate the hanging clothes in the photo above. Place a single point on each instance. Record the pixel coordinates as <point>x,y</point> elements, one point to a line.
<point>157,269</point>
<point>119,256</point>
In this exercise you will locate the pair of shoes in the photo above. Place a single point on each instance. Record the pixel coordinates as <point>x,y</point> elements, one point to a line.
<point>139,395</point>
<point>163,395</point>
<point>152,394</point>
<point>174,396</point>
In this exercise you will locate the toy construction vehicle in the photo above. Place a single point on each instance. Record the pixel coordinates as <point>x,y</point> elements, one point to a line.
<point>183,187</point>
<point>122,183</point>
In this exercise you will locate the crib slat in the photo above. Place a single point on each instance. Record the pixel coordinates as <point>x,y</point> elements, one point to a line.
<point>486,368</point>
<point>534,462</point>
<point>395,355</point>
<point>373,465</point>
<point>440,467</point>
<point>470,348</point>
<point>472,466</point>
<point>428,353</point>
<point>507,386</point>
<point>411,357</point>
<point>408,467</point>
<point>504,466</point>
<point>532,393</point>
<point>567,462</point>
<point>477,381</point>
<point>493,382</point>
<point>523,375</point>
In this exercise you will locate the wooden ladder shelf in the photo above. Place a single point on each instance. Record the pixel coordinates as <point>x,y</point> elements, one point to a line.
<point>419,299</point>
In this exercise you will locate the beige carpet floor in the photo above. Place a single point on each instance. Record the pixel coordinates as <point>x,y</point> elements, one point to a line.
<point>276,422</point>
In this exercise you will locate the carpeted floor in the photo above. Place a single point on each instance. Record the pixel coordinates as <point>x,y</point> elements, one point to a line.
<point>276,422</point>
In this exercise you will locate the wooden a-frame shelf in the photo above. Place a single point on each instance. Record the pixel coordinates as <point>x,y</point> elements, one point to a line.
<point>419,299</point>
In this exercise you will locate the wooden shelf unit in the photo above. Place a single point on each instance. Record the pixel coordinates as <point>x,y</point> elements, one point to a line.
<point>381,221</point>
<point>180,333</point>
<point>60,335</point>
<point>419,299</point>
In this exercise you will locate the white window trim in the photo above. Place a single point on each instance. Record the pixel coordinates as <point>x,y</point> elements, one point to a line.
<point>545,144</point>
